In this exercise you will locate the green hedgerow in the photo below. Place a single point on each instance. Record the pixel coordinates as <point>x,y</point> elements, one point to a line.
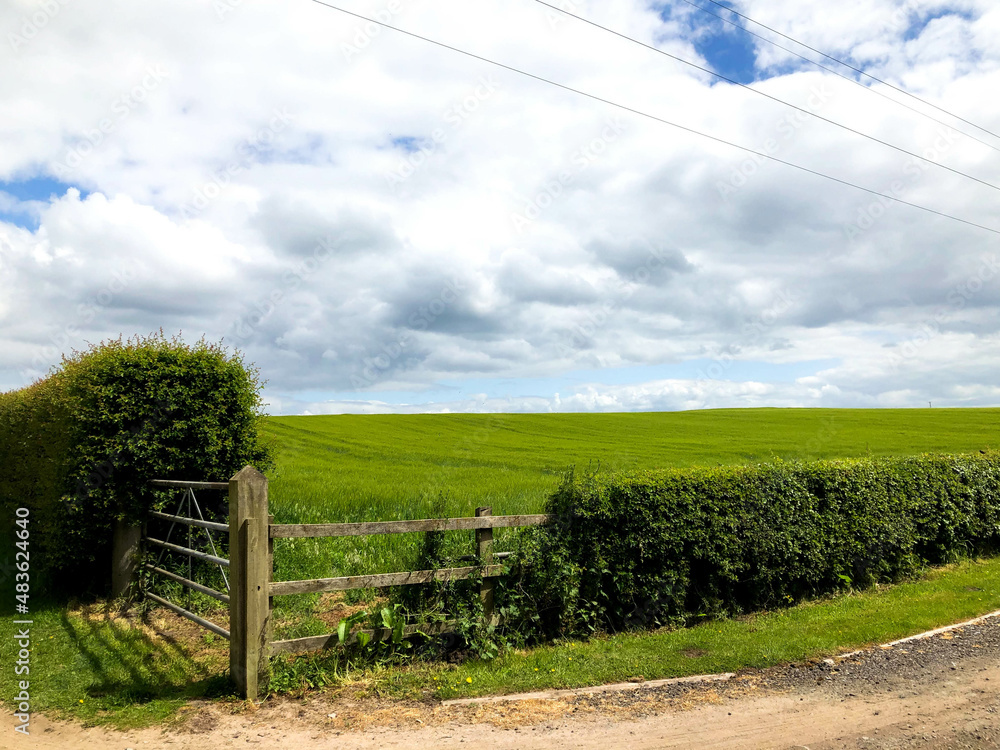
<point>80,446</point>
<point>648,548</point>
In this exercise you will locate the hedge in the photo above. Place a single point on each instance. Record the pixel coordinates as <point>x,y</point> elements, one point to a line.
<point>648,548</point>
<point>79,447</point>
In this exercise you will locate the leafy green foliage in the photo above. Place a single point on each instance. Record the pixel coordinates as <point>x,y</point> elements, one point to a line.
<point>80,447</point>
<point>648,548</point>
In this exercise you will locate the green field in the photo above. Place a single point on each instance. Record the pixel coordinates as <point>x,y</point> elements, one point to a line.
<point>357,468</point>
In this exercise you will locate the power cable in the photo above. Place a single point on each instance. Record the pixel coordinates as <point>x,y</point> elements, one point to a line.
<point>654,117</point>
<point>846,77</point>
<point>769,96</point>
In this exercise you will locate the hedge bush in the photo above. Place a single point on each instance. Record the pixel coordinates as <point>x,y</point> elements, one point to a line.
<point>647,548</point>
<point>79,448</point>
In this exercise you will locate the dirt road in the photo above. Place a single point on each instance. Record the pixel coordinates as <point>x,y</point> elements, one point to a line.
<point>941,692</point>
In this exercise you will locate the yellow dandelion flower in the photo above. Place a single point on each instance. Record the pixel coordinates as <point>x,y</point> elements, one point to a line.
<point>468,679</point>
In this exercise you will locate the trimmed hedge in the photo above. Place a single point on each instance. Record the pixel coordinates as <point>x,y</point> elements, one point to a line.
<point>648,548</point>
<point>79,447</point>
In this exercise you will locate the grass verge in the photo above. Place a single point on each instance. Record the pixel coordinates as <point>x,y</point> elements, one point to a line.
<point>815,629</point>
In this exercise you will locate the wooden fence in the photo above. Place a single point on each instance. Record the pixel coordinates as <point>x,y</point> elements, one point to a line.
<point>252,532</point>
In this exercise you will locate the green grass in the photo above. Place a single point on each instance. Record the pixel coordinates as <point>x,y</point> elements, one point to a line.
<point>362,468</point>
<point>102,670</point>
<point>815,629</point>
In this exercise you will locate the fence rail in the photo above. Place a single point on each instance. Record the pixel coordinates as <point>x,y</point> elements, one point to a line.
<point>189,552</point>
<point>190,615</point>
<point>251,566</point>
<point>382,580</point>
<point>191,521</point>
<point>372,528</point>
<point>193,585</point>
<point>174,484</point>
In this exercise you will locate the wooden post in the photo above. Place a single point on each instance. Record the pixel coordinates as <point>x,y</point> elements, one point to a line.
<point>124,558</point>
<point>249,614</point>
<point>484,549</point>
<point>270,579</point>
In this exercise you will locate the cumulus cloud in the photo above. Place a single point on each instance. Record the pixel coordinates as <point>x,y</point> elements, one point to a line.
<point>372,219</point>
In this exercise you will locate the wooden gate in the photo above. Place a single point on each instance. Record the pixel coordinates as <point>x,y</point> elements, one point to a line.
<point>251,568</point>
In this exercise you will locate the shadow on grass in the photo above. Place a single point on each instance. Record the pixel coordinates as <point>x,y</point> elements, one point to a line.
<point>132,668</point>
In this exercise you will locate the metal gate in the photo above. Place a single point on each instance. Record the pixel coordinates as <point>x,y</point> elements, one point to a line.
<point>185,517</point>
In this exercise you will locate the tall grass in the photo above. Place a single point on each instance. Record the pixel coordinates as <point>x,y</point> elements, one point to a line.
<point>353,468</point>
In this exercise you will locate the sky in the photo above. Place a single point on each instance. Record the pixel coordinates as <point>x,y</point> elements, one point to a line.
<point>382,225</point>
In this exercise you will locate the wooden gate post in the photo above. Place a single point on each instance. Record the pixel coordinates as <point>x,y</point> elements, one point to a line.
<point>249,613</point>
<point>484,549</point>
<point>124,558</point>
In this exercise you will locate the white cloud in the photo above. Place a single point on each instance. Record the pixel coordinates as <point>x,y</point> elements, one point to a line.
<point>366,212</point>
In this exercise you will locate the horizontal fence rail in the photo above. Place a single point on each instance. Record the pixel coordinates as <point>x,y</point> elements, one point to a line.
<point>188,551</point>
<point>315,642</point>
<point>382,580</point>
<point>289,530</point>
<point>174,484</point>
<point>191,521</point>
<point>189,615</point>
<point>190,584</point>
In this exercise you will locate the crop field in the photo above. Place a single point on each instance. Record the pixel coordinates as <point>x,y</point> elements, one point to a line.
<point>351,468</point>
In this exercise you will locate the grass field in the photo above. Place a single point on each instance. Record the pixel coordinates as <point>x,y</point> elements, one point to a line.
<point>357,468</point>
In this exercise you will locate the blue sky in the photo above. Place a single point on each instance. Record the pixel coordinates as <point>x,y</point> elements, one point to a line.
<point>728,50</point>
<point>23,197</point>
<point>382,225</point>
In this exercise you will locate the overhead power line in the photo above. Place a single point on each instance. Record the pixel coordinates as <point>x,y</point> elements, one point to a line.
<point>769,96</point>
<point>856,70</point>
<point>847,77</point>
<point>626,108</point>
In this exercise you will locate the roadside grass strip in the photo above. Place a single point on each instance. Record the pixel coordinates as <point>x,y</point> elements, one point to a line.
<point>812,630</point>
